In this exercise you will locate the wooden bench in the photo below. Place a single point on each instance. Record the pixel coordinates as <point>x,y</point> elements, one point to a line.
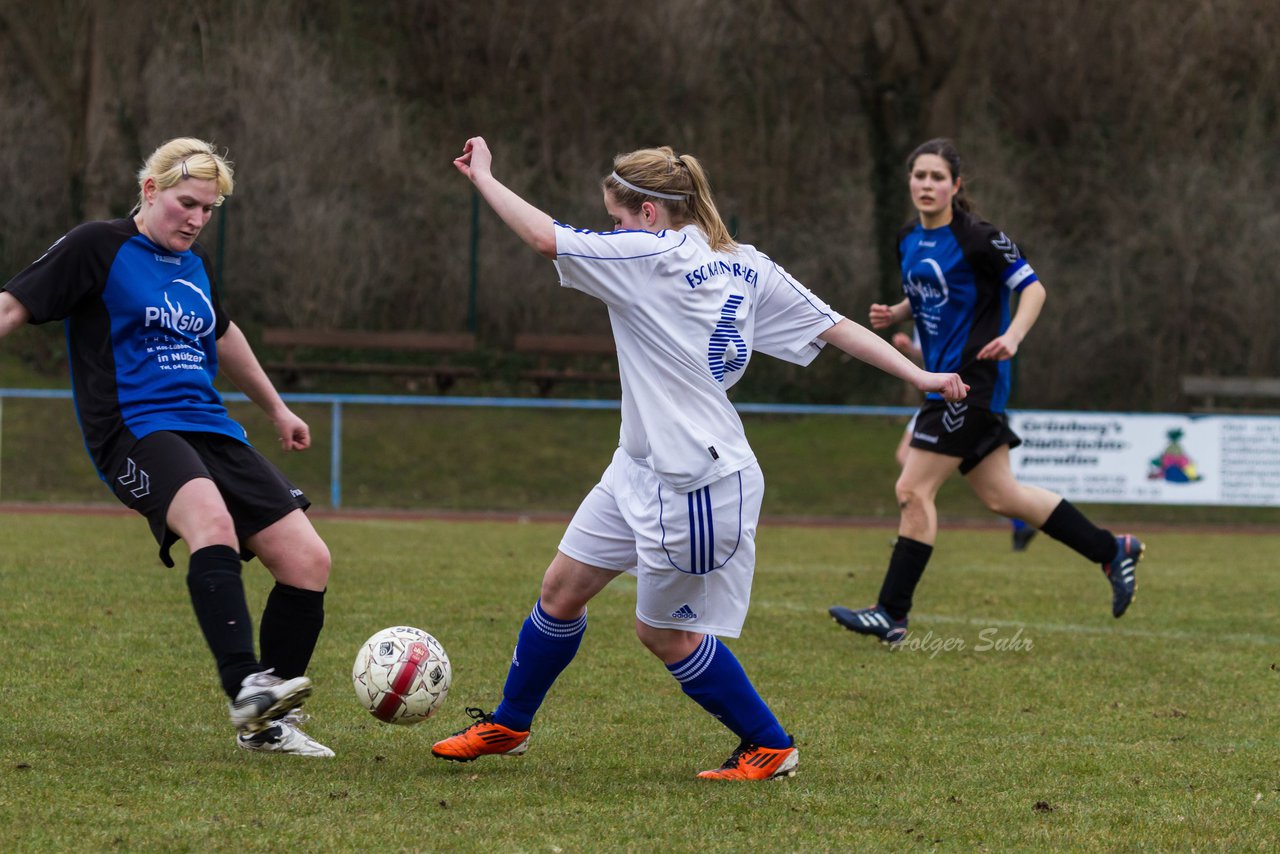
<point>320,346</point>
<point>568,358</point>
<point>1209,389</point>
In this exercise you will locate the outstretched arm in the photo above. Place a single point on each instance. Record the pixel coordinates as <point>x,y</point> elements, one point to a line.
<point>861,343</point>
<point>12,313</point>
<point>1030,301</point>
<point>530,224</point>
<point>236,360</point>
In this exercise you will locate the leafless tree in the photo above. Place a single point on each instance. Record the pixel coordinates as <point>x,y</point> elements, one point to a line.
<point>1129,148</point>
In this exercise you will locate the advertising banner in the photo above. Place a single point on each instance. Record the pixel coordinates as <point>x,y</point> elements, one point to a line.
<point>1122,458</point>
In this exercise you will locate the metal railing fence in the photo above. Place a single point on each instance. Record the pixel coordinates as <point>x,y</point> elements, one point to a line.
<point>336,403</point>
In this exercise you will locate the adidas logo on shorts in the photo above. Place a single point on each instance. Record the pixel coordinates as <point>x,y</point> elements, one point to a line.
<point>684,612</point>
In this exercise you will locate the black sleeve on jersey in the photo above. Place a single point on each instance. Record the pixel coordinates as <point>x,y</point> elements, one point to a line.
<point>902,234</point>
<point>73,268</point>
<point>220,319</point>
<point>988,249</point>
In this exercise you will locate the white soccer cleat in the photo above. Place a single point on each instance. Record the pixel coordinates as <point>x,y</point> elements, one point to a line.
<point>263,698</point>
<point>285,736</point>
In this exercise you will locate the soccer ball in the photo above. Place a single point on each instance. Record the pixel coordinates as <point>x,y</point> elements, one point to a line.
<point>402,675</point>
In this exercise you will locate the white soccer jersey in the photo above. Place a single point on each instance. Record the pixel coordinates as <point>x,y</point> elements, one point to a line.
<point>685,321</point>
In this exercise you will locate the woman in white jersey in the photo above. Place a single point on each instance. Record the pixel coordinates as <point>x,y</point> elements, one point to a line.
<point>678,505</point>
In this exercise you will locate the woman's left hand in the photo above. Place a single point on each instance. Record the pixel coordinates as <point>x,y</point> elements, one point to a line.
<point>1002,348</point>
<point>294,433</point>
<point>950,386</point>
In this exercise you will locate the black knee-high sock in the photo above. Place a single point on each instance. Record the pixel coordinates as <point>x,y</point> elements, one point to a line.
<point>217,595</point>
<point>907,564</point>
<point>291,625</point>
<point>1069,526</point>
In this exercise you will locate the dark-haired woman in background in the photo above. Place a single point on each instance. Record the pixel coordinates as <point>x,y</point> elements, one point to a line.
<point>958,274</point>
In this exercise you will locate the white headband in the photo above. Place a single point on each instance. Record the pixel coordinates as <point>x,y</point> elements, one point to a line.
<point>672,196</point>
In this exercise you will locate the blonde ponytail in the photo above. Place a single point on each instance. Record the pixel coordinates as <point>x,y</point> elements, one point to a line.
<point>677,183</point>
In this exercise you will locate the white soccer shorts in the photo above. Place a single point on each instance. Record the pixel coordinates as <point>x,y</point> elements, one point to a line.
<point>693,554</point>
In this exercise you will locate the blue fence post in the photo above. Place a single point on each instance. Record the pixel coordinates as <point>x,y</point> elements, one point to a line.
<point>335,457</point>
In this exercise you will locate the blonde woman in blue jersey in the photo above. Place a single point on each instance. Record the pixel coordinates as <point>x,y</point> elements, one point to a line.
<point>679,503</point>
<point>958,273</point>
<point>146,335</point>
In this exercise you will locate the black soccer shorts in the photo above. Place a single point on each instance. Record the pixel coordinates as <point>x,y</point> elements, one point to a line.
<point>959,430</point>
<point>256,493</point>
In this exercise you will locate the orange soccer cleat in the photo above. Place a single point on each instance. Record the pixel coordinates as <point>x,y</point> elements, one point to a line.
<point>482,738</point>
<point>753,762</point>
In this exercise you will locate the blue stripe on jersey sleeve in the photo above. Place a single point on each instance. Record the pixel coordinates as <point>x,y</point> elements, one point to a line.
<point>608,234</point>
<point>1018,275</point>
<point>804,292</point>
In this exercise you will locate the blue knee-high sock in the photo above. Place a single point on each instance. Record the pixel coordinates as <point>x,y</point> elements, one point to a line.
<point>715,680</point>
<point>543,650</point>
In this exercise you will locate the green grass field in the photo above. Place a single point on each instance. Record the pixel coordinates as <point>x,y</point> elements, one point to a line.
<point>1055,727</point>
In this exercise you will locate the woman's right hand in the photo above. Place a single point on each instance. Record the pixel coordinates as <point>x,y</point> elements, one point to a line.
<point>881,316</point>
<point>475,158</point>
<point>12,313</point>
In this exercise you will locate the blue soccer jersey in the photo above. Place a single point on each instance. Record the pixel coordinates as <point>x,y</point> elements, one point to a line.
<point>141,323</point>
<point>958,279</point>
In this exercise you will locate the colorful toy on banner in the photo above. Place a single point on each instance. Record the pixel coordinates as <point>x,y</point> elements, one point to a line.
<point>1173,465</point>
